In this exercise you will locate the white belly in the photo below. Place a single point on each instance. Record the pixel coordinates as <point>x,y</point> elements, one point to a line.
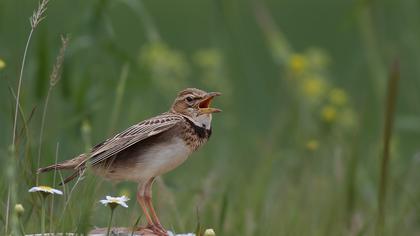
<point>160,160</point>
<point>156,160</point>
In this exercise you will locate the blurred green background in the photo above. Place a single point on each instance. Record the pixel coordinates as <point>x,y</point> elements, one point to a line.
<point>297,148</point>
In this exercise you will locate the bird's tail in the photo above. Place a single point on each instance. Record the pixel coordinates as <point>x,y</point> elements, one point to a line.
<point>58,166</point>
<point>72,164</point>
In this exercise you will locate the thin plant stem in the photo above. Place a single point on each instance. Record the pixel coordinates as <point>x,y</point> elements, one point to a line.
<point>110,221</point>
<point>35,19</point>
<point>11,194</point>
<point>280,48</point>
<point>135,225</point>
<point>7,211</point>
<point>54,78</point>
<point>151,29</point>
<point>44,201</point>
<point>22,228</point>
<point>384,165</point>
<point>118,98</point>
<point>67,202</point>
<point>55,174</point>
<point>41,134</point>
<point>15,121</point>
<point>20,84</point>
<point>371,43</point>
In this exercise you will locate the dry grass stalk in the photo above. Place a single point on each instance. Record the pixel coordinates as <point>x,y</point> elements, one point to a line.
<point>54,78</point>
<point>39,14</point>
<point>35,19</point>
<point>55,75</point>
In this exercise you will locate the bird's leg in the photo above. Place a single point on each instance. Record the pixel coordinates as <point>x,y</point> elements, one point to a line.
<point>141,198</point>
<point>149,203</point>
<point>142,203</point>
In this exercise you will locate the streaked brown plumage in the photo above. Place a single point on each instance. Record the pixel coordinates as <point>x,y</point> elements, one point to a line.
<point>150,148</point>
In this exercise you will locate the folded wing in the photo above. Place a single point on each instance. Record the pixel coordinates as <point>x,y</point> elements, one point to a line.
<point>131,136</point>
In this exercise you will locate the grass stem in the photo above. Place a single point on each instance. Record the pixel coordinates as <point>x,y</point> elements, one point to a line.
<point>20,85</point>
<point>43,210</point>
<point>22,228</point>
<point>55,175</point>
<point>6,229</point>
<point>384,165</point>
<point>110,221</point>
<point>54,78</point>
<point>119,93</point>
<point>35,19</point>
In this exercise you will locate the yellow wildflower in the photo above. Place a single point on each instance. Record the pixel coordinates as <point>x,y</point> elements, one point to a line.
<point>329,114</point>
<point>312,145</point>
<point>297,63</point>
<point>2,64</point>
<point>338,97</point>
<point>313,87</point>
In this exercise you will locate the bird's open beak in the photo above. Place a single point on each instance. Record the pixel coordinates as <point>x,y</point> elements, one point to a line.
<point>204,105</point>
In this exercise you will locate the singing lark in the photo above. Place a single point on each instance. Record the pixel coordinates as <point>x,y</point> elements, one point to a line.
<point>150,148</point>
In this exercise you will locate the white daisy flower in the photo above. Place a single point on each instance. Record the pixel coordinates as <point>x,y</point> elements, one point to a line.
<point>114,201</point>
<point>45,190</point>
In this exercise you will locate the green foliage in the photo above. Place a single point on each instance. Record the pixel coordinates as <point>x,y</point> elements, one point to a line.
<point>296,150</point>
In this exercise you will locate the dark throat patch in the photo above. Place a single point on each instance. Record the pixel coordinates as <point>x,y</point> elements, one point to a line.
<point>201,132</point>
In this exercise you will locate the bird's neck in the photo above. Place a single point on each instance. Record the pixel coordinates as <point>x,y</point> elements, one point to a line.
<point>203,121</point>
<point>199,130</point>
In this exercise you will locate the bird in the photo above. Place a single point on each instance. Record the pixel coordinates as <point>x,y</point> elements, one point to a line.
<point>149,149</point>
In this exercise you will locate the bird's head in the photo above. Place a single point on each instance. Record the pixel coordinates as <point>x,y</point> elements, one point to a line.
<point>195,104</point>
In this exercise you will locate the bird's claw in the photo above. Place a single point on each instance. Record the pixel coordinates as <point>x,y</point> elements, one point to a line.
<point>158,230</point>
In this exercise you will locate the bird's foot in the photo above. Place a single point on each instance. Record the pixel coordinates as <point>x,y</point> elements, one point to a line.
<point>157,229</point>
<point>159,226</point>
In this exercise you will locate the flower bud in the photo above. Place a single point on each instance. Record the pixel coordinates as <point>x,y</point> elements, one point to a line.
<point>209,232</point>
<point>19,209</point>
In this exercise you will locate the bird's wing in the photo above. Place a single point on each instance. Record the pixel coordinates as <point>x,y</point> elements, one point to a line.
<point>131,136</point>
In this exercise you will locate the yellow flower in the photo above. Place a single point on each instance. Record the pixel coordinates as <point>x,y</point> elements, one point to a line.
<point>329,114</point>
<point>313,87</point>
<point>338,97</point>
<point>312,145</point>
<point>297,63</point>
<point>2,64</point>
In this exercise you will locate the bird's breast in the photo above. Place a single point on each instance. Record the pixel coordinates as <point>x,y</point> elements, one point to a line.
<point>194,135</point>
<point>166,156</point>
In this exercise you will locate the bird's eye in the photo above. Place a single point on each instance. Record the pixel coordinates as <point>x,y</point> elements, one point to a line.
<point>189,99</point>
